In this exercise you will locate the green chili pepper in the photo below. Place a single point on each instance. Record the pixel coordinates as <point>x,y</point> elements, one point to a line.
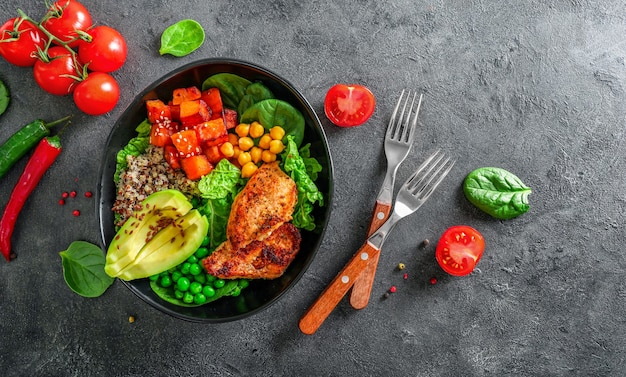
<point>23,141</point>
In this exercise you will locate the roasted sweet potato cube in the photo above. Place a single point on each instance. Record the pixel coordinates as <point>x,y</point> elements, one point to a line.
<point>172,157</point>
<point>161,134</point>
<point>181,95</point>
<point>186,143</point>
<point>175,111</point>
<point>193,112</point>
<point>214,154</point>
<point>212,132</point>
<point>195,167</point>
<point>158,111</point>
<point>213,99</point>
<point>231,118</point>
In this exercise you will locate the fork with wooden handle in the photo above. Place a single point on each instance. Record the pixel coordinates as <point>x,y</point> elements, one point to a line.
<point>413,193</point>
<point>398,141</point>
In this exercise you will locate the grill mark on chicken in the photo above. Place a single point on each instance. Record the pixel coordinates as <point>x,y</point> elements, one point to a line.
<point>261,242</point>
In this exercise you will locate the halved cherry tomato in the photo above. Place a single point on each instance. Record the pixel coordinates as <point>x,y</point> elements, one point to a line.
<point>459,249</point>
<point>64,17</point>
<point>19,42</point>
<point>97,94</point>
<point>58,75</point>
<point>105,52</point>
<point>349,105</point>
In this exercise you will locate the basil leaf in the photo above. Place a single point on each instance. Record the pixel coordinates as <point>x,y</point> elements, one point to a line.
<point>4,97</point>
<point>83,269</point>
<point>497,192</point>
<point>182,38</point>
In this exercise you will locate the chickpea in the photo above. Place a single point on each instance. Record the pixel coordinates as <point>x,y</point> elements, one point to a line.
<point>227,149</point>
<point>264,142</point>
<point>242,129</point>
<point>256,130</point>
<point>255,154</point>
<point>268,156</point>
<point>276,146</point>
<point>243,158</point>
<point>277,133</point>
<point>248,169</point>
<point>245,143</point>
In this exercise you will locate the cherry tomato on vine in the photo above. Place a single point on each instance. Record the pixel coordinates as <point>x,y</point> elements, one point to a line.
<point>349,105</point>
<point>58,75</point>
<point>459,249</point>
<point>64,17</point>
<point>105,52</point>
<point>97,94</point>
<point>19,42</point>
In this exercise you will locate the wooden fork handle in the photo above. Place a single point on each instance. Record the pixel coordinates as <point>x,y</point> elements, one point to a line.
<point>332,295</point>
<point>362,289</point>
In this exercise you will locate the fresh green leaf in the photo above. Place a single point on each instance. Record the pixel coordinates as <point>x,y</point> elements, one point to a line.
<point>83,269</point>
<point>182,38</point>
<point>497,192</point>
<point>308,193</point>
<point>255,92</point>
<point>275,112</point>
<point>232,87</point>
<point>220,181</point>
<point>5,98</point>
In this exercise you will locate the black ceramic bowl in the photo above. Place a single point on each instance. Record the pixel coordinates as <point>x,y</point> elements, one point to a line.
<point>261,293</point>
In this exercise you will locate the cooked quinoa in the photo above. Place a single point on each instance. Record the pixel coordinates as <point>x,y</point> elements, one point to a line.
<point>146,174</point>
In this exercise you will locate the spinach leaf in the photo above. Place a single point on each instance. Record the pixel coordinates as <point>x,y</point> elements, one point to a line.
<point>83,269</point>
<point>232,87</point>
<point>497,192</point>
<point>298,167</point>
<point>232,287</point>
<point>182,38</point>
<point>255,92</point>
<point>275,112</point>
<point>4,97</point>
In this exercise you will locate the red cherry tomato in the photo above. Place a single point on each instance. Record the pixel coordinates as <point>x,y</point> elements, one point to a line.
<point>106,51</point>
<point>19,42</point>
<point>58,75</point>
<point>349,105</point>
<point>97,94</point>
<point>459,249</point>
<point>64,17</point>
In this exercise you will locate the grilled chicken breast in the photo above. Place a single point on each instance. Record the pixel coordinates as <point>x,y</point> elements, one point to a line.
<point>261,242</point>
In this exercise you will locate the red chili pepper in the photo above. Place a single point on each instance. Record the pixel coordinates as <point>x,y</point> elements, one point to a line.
<point>43,157</point>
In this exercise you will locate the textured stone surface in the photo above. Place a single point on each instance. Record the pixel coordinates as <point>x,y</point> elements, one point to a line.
<point>535,87</point>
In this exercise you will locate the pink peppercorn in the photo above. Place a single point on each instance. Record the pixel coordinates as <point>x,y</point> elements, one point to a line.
<point>88,194</point>
<point>433,280</point>
<point>392,289</point>
<point>65,195</point>
<point>76,213</point>
<point>73,194</point>
<point>61,202</point>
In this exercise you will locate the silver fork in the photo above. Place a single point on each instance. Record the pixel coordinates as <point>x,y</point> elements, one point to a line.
<point>413,193</point>
<point>398,141</point>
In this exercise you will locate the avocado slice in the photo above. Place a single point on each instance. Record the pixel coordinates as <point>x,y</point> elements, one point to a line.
<point>158,209</point>
<point>169,248</point>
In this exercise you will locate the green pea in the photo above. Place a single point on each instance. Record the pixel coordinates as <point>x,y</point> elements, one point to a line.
<point>199,298</point>
<point>192,259</point>
<point>243,283</point>
<point>195,288</point>
<point>205,241</point>
<point>188,298</point>
<point>179,294</point>
<point>183,284</point>
<point>185,268</point>
<point>166,281</point>
<point>176,275</point>
<point>208,291</point>
<point>219,283</point>
<point>210,278</point>
<point>201,278</point>
<point>195,269</point>
<point>201,252</point>
<point>154,277</point>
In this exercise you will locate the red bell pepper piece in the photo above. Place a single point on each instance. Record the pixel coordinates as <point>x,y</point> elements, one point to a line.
<point>43,157</point>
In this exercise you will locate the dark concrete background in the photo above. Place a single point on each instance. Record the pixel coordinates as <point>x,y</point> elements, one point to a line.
<point>535,87</point>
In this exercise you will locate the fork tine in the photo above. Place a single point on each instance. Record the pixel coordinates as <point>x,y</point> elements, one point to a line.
<point>393,120</point>
<point>403,120</point>
<point>409,131</point>
<point>430,175</point>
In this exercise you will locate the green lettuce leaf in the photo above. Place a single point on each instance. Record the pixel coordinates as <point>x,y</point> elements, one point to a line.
<point>303,170</point>
<point>135,147</point>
